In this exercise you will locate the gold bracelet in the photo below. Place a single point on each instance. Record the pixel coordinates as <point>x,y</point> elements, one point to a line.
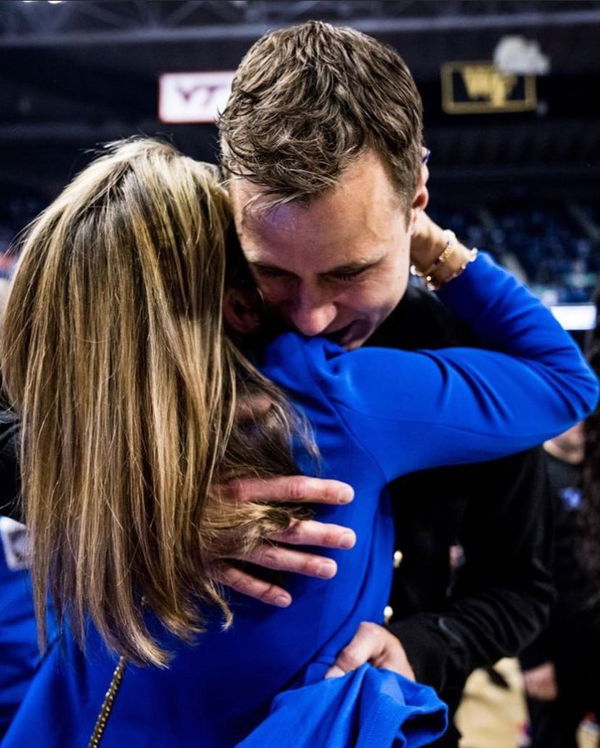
<point>434,285</point>
<point>445,254</point>
<point>451,242</point>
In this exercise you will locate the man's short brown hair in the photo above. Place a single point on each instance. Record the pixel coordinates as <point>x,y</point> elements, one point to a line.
<point>308,100</point>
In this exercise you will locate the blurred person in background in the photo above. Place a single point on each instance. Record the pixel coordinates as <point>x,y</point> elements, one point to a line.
<point>135,409</point>
<point>328,123</point>
<point>561,669</point>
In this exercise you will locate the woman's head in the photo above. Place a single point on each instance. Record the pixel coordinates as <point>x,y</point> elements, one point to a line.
<point>115,361</point>
<point>131,252</point>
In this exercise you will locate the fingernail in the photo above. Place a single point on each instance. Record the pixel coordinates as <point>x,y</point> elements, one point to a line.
<point>334,672</point>
<point>346,494</point>
<point>347,540</point>
<point>282,601</point>
<point>326,570</point>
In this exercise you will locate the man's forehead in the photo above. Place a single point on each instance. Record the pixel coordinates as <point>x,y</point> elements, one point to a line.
<point>259,218</point>
<point>332,226</point>
<point>364,183</point>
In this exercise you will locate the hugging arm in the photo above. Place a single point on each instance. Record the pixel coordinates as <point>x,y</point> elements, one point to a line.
<point>278,552</point>
<point>414,411</point>
<point>271,554</point>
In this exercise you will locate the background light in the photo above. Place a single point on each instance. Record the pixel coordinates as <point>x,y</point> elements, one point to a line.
<point>575,316</point>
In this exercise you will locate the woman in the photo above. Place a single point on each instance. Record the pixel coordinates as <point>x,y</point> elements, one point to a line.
<point>127,391</point>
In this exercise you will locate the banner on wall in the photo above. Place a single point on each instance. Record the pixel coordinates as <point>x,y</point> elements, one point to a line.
<point>193,97</point>
<point>481,88</point>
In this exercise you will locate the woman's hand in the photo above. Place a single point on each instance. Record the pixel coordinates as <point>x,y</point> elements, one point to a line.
<point>271,555</point>
<point>428,242</point>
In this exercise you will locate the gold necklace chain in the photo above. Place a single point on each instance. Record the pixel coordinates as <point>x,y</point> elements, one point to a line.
<point>107,704</point>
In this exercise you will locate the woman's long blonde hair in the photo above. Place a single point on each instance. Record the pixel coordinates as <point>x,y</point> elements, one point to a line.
<point>115,361</point>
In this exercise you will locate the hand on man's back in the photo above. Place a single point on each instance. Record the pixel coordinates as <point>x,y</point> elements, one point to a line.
<point>272,555</point>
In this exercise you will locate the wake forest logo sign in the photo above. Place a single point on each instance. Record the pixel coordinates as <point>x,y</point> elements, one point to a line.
<point>480,88</point>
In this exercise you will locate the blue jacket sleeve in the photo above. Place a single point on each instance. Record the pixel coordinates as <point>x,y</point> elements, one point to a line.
<point>415,410</point>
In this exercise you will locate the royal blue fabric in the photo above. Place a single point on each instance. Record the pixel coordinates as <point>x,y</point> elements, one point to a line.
<point>376,414</point>
<point>19,653</point>
<point>368,707</point>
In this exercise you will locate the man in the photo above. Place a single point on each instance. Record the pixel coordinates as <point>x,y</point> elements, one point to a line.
<point>321,139</point>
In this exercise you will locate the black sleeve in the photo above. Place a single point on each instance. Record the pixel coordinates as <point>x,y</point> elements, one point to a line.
<point>10,504</point>
<point>501,595</point>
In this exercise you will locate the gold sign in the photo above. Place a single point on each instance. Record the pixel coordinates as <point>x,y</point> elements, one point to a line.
<point>480,88</point>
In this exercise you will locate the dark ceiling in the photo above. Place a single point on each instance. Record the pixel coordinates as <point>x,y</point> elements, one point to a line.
<point>77,73</point>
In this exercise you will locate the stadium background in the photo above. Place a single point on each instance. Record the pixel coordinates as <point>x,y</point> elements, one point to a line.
<point>76,73</point>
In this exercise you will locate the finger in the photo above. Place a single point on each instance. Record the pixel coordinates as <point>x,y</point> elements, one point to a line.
<point>248,585</point>
<point>291,488</point>
<point>285,559</point>
<point>310,532</point>
<point>365,646</point>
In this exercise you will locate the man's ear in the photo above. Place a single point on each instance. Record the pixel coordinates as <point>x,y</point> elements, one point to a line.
<point>241,310</point>
<point>421,197</point>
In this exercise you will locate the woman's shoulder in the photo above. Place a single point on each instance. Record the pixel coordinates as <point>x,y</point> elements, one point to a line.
<point>293,360</point>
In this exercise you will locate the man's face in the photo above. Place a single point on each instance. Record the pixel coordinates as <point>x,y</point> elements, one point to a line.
<point>337,266</point>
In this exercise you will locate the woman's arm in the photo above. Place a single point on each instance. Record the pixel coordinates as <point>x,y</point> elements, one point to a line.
<point>422,409</point>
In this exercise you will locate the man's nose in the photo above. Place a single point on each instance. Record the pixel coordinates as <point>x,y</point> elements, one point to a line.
<point>312,312</point>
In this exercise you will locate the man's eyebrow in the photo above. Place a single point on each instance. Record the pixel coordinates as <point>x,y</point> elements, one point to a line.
<point>351,267</point>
